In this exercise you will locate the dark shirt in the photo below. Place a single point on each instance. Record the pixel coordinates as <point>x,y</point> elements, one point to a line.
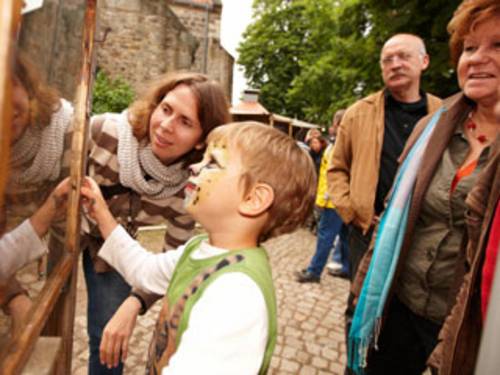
<point>399,121</point>
<point>316,157</point>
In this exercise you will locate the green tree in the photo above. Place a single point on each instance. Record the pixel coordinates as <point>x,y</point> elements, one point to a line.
<point>110,95</point>
<point>312,57</point>
<point>271,51</point>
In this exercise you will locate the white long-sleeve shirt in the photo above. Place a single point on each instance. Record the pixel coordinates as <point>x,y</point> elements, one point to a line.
<point>19,247</point>
<point>228,326</point>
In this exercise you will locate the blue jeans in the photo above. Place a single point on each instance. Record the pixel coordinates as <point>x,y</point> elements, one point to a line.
<point>105,292</point>
<point>341,250</point>
<point>328,227</point>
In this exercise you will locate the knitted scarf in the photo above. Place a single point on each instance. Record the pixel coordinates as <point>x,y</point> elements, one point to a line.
<point>391,231</point>
<point>44,147</point>
<point>137,161</point>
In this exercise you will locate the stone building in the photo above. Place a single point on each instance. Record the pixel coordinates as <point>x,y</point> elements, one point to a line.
<point>150,37</point>
<point>203,19</point>
<point>142,39</point>
<point>135,39</point>
<point>51,37</point>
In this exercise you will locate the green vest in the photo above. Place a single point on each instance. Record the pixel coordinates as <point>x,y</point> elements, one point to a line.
<point>190,279</point>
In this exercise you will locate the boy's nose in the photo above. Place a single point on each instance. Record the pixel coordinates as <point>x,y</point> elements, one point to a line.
<point>194,169</point>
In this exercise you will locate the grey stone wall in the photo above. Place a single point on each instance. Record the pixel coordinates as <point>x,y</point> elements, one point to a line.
<point>219,63</point>
<point>52,38</point>
<point>145,39</point>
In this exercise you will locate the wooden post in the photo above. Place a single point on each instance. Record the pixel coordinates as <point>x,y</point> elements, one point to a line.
<point>62,319</point>
<point>19,348</point>
<point>10,15</point>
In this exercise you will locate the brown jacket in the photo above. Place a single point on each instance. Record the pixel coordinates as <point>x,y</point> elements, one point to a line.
<point>459,339</point>
<point>354,171</point>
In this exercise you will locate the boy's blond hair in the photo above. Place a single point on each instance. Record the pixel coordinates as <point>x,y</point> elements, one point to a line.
<point>270,156</point>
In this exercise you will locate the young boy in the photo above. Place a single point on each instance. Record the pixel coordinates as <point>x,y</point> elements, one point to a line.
<point>219,313</point>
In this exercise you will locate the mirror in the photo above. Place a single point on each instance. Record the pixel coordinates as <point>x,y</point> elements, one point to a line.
<point>44,72</point>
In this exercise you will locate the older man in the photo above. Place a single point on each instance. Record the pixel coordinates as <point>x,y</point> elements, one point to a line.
<point>371,137</point>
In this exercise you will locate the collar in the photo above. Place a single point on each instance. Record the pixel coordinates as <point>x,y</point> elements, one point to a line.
<point>388,97</point>
<point>205,250</point>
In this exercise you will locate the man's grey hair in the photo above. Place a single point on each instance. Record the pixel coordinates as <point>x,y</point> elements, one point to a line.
<point>422,50</point>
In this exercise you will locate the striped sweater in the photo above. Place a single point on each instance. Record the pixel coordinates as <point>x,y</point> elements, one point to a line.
<point>130,209</point>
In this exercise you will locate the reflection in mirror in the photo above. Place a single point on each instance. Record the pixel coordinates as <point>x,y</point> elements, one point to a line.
<point>43,72</point>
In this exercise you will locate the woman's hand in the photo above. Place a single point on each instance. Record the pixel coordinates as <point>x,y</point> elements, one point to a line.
<point>54,207</point>
<point>96,207</point>
<point>117,333</point>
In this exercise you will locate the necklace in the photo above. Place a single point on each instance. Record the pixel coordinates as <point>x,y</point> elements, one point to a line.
<point>472,127</point>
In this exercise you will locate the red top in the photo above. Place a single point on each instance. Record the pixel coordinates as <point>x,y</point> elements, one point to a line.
<point>490,261</point>
<point>464,171</point>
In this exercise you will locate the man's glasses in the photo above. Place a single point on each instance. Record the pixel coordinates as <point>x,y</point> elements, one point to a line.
<point>389,60</point>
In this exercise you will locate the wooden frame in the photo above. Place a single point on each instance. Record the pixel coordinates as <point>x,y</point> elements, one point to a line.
<point>55,307</point>
<point>9,23</point>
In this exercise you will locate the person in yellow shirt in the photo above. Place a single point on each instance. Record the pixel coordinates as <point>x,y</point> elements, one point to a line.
<point>330,223</point>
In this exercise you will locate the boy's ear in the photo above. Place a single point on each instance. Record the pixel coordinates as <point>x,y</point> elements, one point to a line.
<point>257,201</point>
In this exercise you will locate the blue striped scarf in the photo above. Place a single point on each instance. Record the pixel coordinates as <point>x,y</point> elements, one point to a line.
<point>368,314</point>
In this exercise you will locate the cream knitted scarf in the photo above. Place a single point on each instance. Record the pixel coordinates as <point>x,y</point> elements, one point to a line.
<point>137,160</point>
<point>44,147</point>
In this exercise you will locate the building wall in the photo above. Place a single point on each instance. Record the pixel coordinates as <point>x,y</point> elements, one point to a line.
<point>145,39</point>
<point>51,37</point>
<point>218,63</point>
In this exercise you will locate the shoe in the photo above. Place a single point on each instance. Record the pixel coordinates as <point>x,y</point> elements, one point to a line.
<point>333,266</point>
<point>305,276</point>
<point>338,273</point>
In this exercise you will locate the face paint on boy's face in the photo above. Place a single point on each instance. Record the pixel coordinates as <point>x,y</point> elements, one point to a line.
<point>206,173</point>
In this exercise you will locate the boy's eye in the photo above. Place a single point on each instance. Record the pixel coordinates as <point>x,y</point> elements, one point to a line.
<point>212,163</point>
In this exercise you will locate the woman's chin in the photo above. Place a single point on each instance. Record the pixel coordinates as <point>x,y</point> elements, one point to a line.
<point>481,95</point>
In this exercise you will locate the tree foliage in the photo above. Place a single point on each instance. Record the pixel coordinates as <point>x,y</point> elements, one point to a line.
<point>312,57</point>
<point>110,95</point>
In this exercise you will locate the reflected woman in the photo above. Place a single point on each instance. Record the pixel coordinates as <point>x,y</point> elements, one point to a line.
<point>40,144</point>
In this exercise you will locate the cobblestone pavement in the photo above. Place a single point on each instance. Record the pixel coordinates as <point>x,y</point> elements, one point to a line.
<point>310,316</point>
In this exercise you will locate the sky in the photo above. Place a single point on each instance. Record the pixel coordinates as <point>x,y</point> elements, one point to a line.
<point>236,15</point>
